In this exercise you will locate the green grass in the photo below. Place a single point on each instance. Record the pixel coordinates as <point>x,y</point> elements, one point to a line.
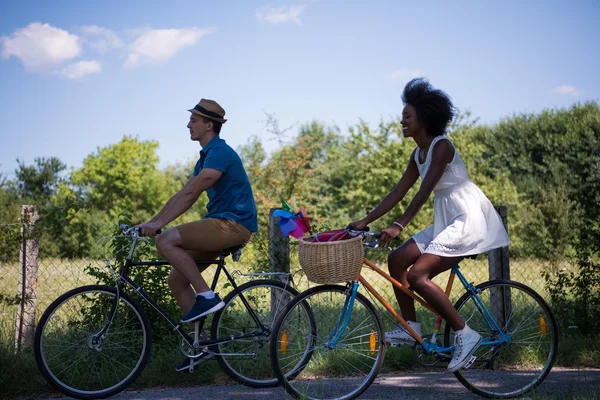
<point>19,374</point>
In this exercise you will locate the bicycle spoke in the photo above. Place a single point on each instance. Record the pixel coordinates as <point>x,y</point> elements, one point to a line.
<point>514,367</point>
<point>342,364</point>
<point>77,366</point>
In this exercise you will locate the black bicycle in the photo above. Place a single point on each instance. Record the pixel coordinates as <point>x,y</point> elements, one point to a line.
<point>93,341</point>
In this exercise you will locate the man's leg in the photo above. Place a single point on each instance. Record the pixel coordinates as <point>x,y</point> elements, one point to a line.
<point>181,289</point>
<point>170,246</point>
<point>207,237</point>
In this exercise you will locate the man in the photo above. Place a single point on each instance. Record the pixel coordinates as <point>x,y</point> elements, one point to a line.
<point>230,220</point>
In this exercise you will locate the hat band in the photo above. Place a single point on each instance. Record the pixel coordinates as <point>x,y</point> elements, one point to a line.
<point>209,113</point>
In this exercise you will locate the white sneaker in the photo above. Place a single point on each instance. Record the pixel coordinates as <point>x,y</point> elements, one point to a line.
<point>401,336</point>
<point>466,341</point>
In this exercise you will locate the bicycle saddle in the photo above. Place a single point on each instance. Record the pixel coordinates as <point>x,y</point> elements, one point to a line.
<point>235,251</point>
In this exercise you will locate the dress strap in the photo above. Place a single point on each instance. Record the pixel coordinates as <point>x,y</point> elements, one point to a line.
<point>437,139</point>
<point>415,155</point>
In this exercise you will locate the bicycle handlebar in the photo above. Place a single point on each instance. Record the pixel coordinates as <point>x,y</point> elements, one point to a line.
<point>132,231</point>
<point>365,233</point>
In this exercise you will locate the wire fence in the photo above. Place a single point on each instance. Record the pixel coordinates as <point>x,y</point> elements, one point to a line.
<point>38,264</point>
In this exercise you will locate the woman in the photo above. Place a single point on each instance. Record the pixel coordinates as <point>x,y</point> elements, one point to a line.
<point>465,222</point>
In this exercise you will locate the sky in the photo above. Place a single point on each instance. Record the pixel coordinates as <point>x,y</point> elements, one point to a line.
<point>77,76</point>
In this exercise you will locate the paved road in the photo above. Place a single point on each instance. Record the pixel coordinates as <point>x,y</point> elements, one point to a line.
<point>560,384</point>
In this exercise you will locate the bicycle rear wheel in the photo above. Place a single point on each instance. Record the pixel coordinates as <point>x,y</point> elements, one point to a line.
<point>341,369</point>
<point>76,359</point>
<point>515,367</point>
<point>247,360</point>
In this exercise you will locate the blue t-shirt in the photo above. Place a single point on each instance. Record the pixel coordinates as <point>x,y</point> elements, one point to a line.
<point>231,196</point>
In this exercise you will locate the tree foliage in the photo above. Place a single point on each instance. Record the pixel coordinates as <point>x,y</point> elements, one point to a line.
<point>38,182</point>
<point>545,167</point>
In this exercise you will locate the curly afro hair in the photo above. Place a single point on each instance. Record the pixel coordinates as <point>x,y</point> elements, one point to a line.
<point>434,107</point>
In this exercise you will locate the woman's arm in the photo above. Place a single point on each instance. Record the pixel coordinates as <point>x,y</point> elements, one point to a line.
<point>410,176</point>
<point>442,154</point>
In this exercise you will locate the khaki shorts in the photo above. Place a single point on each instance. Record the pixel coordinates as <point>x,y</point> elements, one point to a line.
<point>205,239</point>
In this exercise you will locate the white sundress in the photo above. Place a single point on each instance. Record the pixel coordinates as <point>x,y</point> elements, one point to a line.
<point>464,220</point>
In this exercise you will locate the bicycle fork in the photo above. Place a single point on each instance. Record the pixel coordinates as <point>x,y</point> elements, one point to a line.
<point>344,318</point>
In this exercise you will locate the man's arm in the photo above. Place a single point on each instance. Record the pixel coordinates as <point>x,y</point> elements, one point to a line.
<point>182,201</point>
<point>189,194</point>
<point>166,206</point>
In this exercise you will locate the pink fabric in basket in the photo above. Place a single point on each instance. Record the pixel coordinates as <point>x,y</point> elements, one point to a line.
<point>332,236</point>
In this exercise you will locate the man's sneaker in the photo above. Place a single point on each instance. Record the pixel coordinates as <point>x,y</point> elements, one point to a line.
<point>466,341</point>
<point>203,307</point>
<point>400,336</point>
<point>185,365</point>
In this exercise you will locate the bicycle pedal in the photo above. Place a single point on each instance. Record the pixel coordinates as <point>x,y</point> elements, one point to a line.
<point>470,362</point>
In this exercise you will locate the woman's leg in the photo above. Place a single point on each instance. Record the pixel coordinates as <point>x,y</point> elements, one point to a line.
<point>426,267</point>
<point>398,263</point>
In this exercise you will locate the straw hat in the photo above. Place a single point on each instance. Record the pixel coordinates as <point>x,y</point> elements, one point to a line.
<point>209,109</point>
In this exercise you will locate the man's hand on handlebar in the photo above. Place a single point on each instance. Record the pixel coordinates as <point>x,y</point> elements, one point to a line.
<point>149,228</point>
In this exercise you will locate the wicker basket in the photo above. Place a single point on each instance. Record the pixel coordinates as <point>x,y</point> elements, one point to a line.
<point>331,262</point>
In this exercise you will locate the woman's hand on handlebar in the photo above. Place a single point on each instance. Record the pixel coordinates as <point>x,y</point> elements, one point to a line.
<point>359,225</point>
<point>149,228</point>
<point>388,234</point>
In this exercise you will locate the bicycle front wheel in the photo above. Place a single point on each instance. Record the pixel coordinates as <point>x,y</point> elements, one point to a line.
<point>247,360</point>
<point>519,364</point>
<point>78,359</point>
<point>339,357</point>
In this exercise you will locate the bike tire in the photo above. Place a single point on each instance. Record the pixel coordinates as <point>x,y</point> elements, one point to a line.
<point>252,365</point>
<point>517,367</point>
<point>83,367</point>
<point>342,371</point>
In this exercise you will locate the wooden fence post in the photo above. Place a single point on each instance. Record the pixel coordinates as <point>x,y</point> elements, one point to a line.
<point>499,268</point>
<point>279,246</point>
<point>28,258</point>
<point>279,255</point>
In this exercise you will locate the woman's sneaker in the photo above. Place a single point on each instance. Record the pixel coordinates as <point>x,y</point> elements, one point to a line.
<point>466,341</point>
<point>400,336</point>
<point>203,307</point>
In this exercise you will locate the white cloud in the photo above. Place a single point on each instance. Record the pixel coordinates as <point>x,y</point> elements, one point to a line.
<point>99,38</point>
<point>406,74</point>
<point>280,15</point>
<point>40,46</point>
<point>80,69</point>
<point>568,90</point>
<point>159,45</point>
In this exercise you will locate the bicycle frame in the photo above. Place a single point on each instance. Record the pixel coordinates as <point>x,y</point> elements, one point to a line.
<point>124,279</point>
<point>430,346</point>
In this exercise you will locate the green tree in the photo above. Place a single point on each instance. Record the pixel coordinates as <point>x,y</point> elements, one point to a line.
<point>122,175</point>
<point>553,159</point>
<point>38,182</point>
<point>9,221</point>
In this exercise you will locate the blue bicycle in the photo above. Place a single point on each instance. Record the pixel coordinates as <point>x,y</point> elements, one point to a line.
<point>346,344</point>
